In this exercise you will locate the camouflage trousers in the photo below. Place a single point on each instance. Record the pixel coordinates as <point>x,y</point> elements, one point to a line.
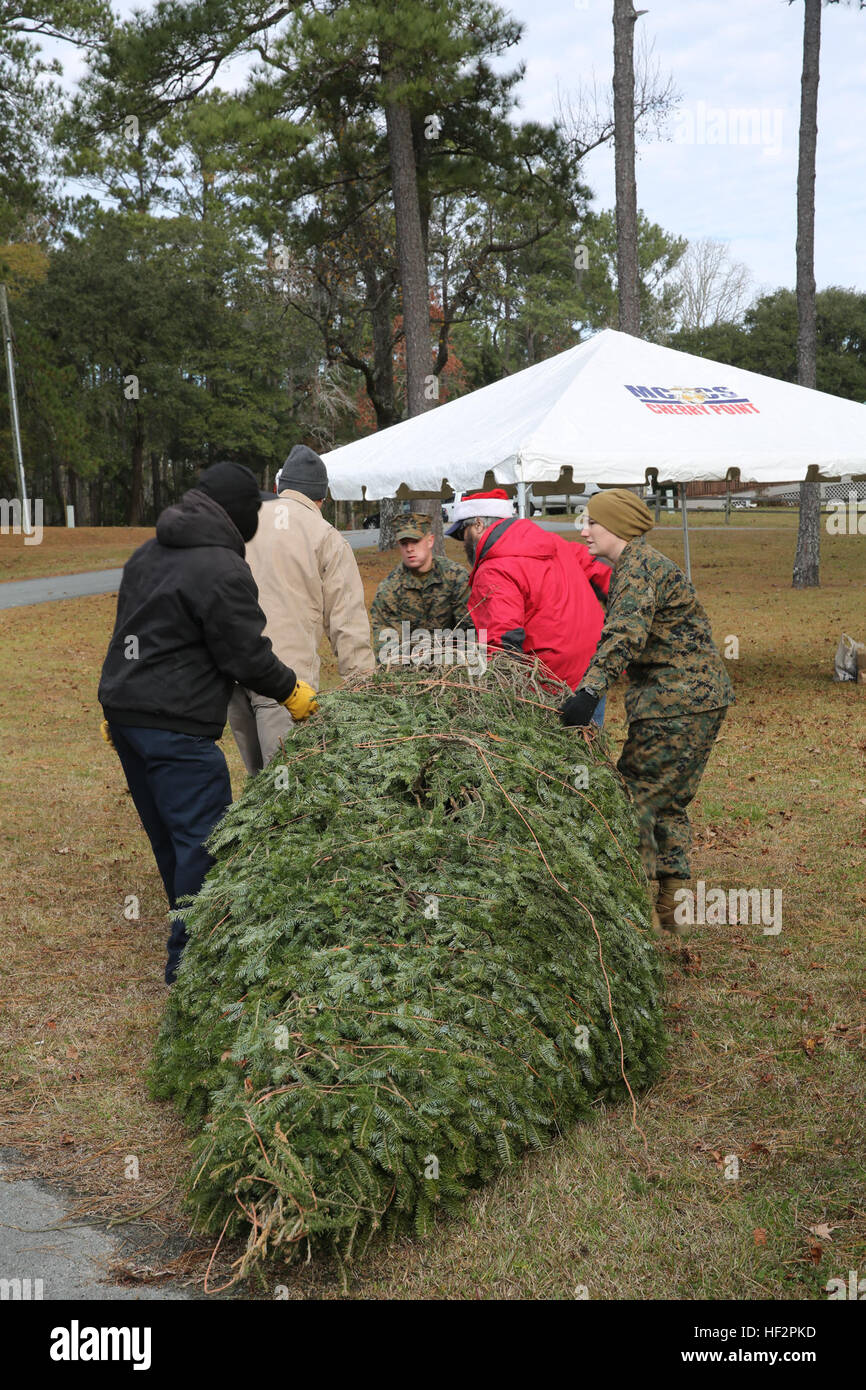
<point>662,763</point>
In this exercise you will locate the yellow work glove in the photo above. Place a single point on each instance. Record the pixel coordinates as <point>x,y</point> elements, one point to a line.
<point>106,733</point>
<point>302,702</point>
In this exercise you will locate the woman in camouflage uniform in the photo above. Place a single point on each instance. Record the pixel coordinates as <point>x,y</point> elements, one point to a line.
<point>678,693</point>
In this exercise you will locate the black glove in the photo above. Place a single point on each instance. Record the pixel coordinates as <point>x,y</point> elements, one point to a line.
<point>579,709</point>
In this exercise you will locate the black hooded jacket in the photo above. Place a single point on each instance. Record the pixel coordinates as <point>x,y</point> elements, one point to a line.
<point>188,627</point>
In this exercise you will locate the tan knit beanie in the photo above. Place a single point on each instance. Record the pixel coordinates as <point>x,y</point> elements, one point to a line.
<point>621,512</point>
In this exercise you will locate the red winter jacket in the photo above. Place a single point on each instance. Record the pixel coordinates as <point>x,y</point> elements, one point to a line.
<point>533,590</point>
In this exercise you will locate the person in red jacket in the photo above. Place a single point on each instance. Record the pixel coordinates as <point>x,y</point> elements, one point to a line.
<point>531,590</point>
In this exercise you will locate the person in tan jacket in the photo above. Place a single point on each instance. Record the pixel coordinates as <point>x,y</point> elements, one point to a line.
<point>309,584</point>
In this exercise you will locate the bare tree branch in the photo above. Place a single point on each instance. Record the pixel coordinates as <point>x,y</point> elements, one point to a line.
<point>713,288</point>
<point>585,116</point>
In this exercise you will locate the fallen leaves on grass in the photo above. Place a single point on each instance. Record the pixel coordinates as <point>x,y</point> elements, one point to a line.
<point>690,960</point>
<point>822,1231</point>
<point>143,1274</point>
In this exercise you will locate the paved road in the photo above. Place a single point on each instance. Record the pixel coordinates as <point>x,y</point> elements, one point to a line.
<point>21,592</point>
<point>64,1261</point>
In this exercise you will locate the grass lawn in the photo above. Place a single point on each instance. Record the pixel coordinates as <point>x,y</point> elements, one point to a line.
<point>785,517</point>
<point>767,1033</point>
<point>65,551</point>
<point>760,519</point>
<point>83,548</point>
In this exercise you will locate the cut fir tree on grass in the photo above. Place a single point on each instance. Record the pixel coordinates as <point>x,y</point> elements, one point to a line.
<point>424,948</point>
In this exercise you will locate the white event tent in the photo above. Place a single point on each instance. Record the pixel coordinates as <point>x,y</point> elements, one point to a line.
<point>611,411</point>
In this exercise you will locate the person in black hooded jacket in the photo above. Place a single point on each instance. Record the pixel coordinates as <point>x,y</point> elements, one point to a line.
<point>189,627</point>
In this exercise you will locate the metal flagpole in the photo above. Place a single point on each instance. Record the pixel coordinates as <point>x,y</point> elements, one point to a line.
<point>13,410</point>
<point>688,558</point>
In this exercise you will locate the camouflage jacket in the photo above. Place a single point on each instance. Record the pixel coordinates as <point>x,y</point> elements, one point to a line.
<point>437,599</point>
<point>657,631</point>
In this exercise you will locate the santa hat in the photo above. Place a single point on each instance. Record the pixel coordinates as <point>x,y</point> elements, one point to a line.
<point>493,503</point>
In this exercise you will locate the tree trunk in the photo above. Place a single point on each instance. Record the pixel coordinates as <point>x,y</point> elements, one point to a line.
<point>808,556</point>
<point>133,516</point>
<point>80,497</point>
<point>410,253</point>
<point>624,20</point>
<point>344,515</point>
<point>380,298</point>
<point>414,284</point>
<point>389,510</point>
<point>806,354</point>
<point>156,482</point>
<point>807,561</point>
<point>57,485</point>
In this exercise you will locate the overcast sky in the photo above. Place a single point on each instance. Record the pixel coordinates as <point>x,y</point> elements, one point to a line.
<point>726,57</point>
<point>728,167</point>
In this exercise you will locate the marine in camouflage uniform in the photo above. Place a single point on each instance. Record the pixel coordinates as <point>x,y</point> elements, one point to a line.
<point>435,599</point>
<point>656,630</point>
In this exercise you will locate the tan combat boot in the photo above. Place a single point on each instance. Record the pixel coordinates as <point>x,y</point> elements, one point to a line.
<point>666,905</point>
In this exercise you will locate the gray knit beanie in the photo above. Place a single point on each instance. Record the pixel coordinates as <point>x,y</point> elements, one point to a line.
<point>303,471</point>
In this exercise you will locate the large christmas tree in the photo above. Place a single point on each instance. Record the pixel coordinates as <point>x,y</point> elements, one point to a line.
<point>423,947</point>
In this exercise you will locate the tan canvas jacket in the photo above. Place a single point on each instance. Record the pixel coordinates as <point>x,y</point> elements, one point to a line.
<point>309,584</point>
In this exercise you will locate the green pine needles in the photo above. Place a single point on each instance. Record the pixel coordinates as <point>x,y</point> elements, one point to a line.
<point>423,947</point>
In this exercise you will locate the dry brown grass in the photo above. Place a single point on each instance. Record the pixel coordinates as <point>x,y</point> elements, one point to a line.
<point>768,1034</point>
<point>63,551</point>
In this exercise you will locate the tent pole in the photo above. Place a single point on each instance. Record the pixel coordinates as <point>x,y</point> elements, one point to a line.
<point>688,558</point>
<point>521,499</point>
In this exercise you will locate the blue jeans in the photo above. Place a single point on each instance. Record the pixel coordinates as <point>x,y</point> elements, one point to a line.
<point>180,786</point>
<point>598,712</point>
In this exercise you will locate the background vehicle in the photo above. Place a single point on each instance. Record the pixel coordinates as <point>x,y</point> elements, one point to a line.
<point>560,503</point>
